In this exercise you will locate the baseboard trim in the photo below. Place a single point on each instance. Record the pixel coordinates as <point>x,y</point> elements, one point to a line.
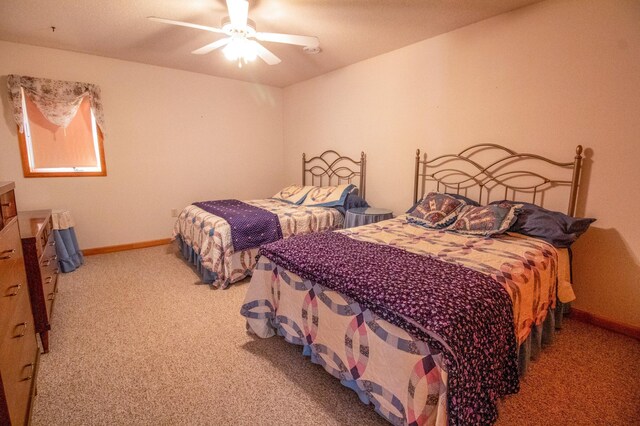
<point>618,327</point>
<point>123,247</point>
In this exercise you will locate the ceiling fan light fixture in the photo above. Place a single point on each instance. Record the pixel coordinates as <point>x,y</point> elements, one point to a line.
<point>240,49</point>
<point>242,41</point>
<point>249,30</point>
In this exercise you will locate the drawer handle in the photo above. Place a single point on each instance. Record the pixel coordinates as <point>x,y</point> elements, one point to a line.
<point>7,254</point>
<point>24,329</point>
<point>49,260</point>
<point>52,243</point>
<point>16,291</point>
<point>51,296</point>
<point>48,280</point>
<point>32,368</point>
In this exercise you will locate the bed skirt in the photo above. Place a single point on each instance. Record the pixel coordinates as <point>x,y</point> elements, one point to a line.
<point>242,264</point>
<point>529,350</point>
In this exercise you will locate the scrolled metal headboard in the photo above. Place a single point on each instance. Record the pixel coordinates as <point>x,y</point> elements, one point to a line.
<point>448,174</point>
<point>336,168</point>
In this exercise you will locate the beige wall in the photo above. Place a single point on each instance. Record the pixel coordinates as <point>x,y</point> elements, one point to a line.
<point>543,79</point>
<point>172,138</point>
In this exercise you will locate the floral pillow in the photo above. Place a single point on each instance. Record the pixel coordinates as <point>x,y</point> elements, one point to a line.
<point>293,194</point>
<point>328,196</point>
<point>462,198</point>
<point>488,220</point>
<point>436,210</point>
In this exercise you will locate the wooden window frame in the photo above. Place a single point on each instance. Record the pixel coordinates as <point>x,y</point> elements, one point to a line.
<point>26,167</point>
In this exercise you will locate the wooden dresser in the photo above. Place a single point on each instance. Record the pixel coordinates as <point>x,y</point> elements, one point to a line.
<point>18,345</point>
<point>41,263</point>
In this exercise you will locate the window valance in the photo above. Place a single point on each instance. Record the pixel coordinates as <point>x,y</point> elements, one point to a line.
<point>57,100</point>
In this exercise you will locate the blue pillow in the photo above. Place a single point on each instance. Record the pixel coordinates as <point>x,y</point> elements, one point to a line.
<point>553,227</point>
<point>467,201</point>
<point>353,201</point>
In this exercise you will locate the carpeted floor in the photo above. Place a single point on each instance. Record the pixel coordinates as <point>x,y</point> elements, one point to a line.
<point>134,340</point>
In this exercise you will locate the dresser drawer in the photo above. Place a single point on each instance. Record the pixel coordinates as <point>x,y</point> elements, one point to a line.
<point>49,269</point>
<point>15,326</point>
<point>8,236</point>
<point>10,248</point>
<point>13,290</point>
<point>49,251</point>
<point>49,259</point>
<point>50,290</point>
<point>18,357</point>
<point>18,352</point>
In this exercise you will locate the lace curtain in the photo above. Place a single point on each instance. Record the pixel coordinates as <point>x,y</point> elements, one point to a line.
<point>57,100</point>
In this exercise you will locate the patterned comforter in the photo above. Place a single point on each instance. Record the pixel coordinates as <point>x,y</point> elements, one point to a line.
<point>402,376</point>
<point>209,236</point>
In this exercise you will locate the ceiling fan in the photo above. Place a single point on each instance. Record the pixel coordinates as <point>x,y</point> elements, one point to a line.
<point>240,42</point>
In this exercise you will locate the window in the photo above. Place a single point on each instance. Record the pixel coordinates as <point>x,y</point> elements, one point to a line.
<point>50,150</point>
<point>60,126</point>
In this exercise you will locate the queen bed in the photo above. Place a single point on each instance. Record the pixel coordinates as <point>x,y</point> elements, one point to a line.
<point>211,239</point>
<point>429,324</point>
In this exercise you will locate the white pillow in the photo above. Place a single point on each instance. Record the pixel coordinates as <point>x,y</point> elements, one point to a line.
<point>293,194</point>
<point>328,196</point>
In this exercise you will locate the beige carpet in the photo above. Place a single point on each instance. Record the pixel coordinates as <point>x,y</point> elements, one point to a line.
<point>134,340</point>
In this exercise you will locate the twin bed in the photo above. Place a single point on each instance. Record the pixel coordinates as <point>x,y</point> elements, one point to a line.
<point>430,326</point>
<point>205,239</point>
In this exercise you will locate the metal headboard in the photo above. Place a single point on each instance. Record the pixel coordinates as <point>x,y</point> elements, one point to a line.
<point>447,172</point>
<point>337,169</point>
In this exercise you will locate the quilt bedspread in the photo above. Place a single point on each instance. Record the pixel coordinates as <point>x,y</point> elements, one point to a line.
<point>210,236</point>
<point>527,268</point>
<point>404,378</point>
<point>463,312</point>
<point>352,344</point>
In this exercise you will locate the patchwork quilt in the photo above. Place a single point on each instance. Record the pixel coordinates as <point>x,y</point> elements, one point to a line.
<point>528,268</point>
<point>209,236</point>
<point>463,313</point>
<point>402,376</point>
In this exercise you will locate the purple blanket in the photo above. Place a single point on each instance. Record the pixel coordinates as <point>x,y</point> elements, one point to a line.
<point>461,312</point>
<point>250,226</point>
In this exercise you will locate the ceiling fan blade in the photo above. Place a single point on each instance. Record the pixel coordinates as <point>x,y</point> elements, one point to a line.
<point>186,24</point>
<point>238,12</point>
<point>212,46</point>
<point>265,54</point>
<point>300,40</point>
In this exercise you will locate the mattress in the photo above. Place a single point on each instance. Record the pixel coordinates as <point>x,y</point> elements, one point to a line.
<point>205,239</point>
<point>402,377</point>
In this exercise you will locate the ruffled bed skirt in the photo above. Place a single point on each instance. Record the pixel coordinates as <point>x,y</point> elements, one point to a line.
<point>195,259</point>
<point>541,335</point>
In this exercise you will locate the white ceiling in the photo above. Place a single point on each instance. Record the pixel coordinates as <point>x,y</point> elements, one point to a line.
<point>349,30</point>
